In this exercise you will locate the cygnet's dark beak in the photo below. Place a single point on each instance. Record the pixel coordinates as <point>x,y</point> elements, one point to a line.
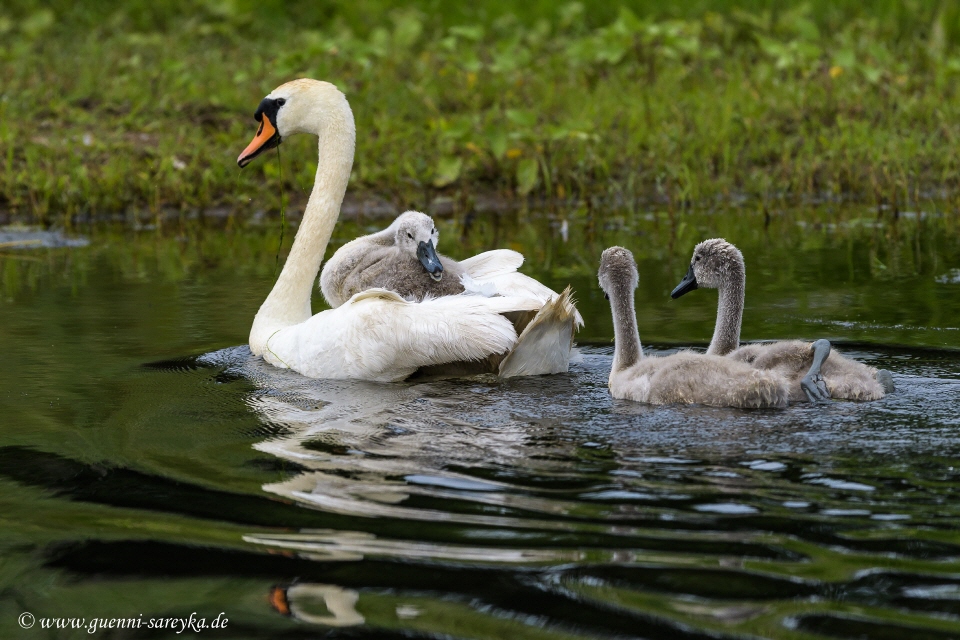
<point>428,257</point>
<point>688,284</point>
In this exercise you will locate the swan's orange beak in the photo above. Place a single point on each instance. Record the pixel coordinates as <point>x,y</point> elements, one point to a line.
<point>266,138</point>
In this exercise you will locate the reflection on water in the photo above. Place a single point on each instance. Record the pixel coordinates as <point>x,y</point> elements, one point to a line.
<point>473,508</point>
<point>599,499</point>
<point>339,604</point>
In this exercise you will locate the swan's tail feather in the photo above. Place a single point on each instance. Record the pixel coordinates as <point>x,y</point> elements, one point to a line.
<point>545,344</point>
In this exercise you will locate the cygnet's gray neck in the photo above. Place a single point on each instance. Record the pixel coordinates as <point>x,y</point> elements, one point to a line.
<point>726,333</point>
<point>626,347</point>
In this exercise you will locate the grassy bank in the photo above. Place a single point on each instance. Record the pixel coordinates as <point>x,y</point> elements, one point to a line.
<point>146,106</point>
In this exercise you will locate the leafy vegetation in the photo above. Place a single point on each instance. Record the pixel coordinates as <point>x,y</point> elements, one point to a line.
<point>144,106</point>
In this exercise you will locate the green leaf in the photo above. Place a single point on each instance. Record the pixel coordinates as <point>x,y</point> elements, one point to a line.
<point>458,127</point>
<point>872,74</point>
<point>407,28</point>
<point>474,33</point>
<point>498,143</point>
<point>528,171</point>
<point>807,29</point>
<point>571,14</point>
<point>628,21</point>
<point>845,58</point>
<point>37,22</point>
<point>522,118</point>
<point>447,171</point>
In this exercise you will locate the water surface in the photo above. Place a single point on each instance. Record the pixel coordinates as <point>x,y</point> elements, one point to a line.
<point>149,464</point>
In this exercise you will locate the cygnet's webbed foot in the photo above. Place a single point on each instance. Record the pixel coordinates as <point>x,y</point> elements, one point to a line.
<point>813,383</point>
<point>815,388</point>
<point>885,378</point>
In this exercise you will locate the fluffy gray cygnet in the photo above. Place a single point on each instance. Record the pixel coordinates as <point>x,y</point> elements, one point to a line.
<point>816,373</point>
<point>402,258</point>
<point>684,377</point>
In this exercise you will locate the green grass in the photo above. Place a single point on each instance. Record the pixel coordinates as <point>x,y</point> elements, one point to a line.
<point>141,108</point>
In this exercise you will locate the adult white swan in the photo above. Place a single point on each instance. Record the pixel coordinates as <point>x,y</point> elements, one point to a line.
<point>376,335</point>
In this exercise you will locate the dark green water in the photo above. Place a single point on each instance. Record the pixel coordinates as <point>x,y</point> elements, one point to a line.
<point>137,478</point>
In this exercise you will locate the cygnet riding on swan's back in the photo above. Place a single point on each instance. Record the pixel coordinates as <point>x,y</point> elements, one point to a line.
<point>402,258</point>
<point>815,373</point>
<point>376,334</point>
<point>684,377</point>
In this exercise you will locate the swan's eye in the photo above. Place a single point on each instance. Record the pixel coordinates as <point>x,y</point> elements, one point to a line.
<point>281,102</point>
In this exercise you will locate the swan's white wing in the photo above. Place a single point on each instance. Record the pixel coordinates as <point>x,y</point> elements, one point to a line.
<point>499,268</point>
<point>492,263</point>
<point>517,284</point>
<point>379,336</point>
<point>546,343</point>
<point>474,288</point>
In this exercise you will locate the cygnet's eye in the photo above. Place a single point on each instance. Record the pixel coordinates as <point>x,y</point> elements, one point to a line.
<point>410,235</point>
<point>433,231</point>
<point>697,258</point>
<point>281,102</point>
<point>606,296</point>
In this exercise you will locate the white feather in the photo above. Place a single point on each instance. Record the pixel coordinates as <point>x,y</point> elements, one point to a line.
<point>377,335</point>
<point>546,343</point>
<point>472,287</point>
<point>490,263</point>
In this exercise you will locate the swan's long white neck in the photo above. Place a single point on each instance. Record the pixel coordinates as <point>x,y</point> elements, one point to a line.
<point>627,350</point>
<point>289,302</point>
<point>726,332</point>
